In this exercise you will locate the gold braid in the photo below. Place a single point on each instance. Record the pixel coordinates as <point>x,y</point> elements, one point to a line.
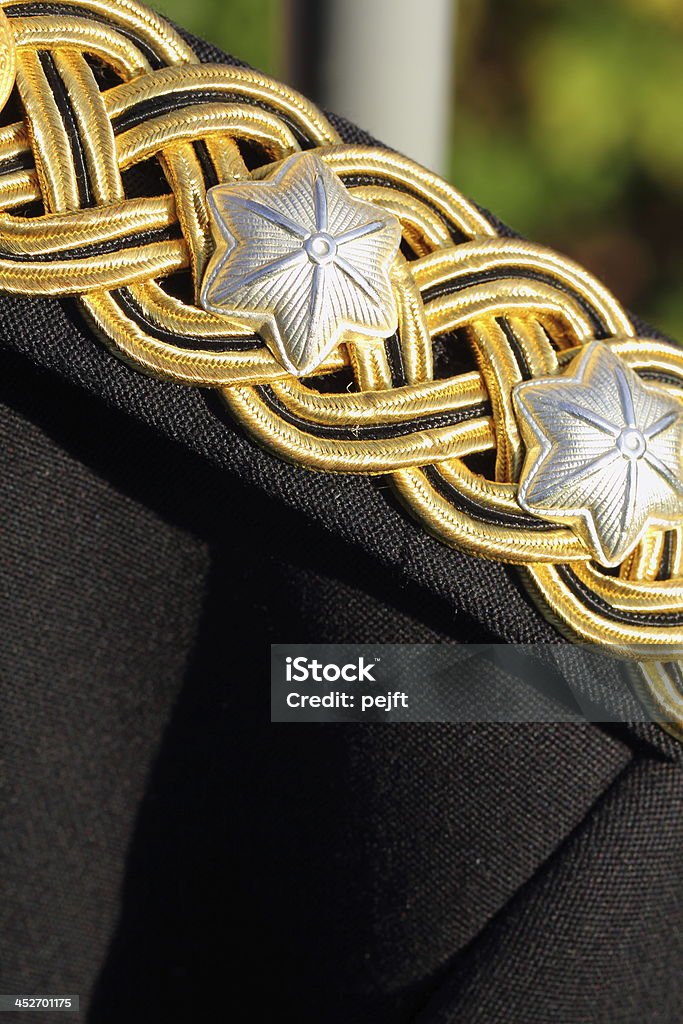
<point>105,86</point>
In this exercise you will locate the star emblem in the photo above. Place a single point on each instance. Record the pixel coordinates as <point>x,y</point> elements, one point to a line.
<point>7,59</point>
<point>604,452</point>
<point>302,262</point>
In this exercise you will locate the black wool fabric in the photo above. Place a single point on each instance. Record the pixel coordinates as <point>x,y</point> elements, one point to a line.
<point>170,855</point>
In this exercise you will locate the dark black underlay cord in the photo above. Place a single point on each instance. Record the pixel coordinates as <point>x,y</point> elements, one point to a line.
<point>596,604</point>
<point>371,432</point>
<point>515,348</point>
<point>206,164</point>
<point>658,377</point>
<point>143,238</point>
<point>501,274</point>
<point>353,180</point>
<point>68,117</point>
<point>666,563</point>
<point>29,10</point>
<point>125,301</point>
<point>21,162</point>
<point>392,347</point>
<point>166,103</point>
<point>467,505</point>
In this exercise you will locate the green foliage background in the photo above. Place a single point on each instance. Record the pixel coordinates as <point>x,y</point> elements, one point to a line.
<point>567,122</point>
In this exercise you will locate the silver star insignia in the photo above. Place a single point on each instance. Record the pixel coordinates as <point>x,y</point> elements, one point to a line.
<point>604,452</point>
<point>301,262</point>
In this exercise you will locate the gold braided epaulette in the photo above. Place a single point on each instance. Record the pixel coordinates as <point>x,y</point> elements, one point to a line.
<point>389,328</point>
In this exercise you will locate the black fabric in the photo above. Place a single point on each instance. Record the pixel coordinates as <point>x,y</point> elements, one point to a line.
<point>171,855</point>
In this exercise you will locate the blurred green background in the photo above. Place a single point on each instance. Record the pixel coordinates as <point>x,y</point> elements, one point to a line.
<point>567,122</point>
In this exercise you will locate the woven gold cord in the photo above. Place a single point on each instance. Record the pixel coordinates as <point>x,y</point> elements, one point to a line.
<point>106,86</point>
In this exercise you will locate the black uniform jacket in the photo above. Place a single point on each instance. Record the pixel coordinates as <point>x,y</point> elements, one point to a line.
<point>170,854</point>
